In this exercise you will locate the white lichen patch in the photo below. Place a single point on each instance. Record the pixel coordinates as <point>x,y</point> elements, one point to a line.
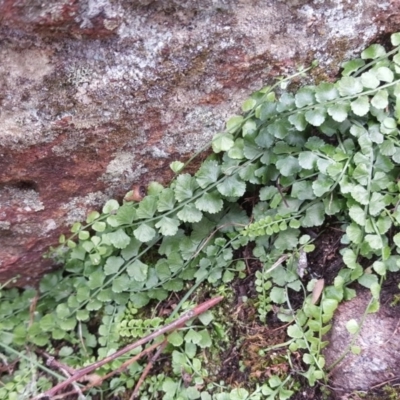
<point>29,64</point>
<point>122,171</point>
<point>24,200</point>
<point>78,207</point>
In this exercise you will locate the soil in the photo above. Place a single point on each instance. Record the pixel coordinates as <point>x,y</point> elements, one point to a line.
<point>242,364</point>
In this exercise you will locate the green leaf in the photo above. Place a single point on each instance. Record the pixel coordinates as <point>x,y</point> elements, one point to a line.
<point>232,186</point>
<point>176,166</point>
<point>266,110</point>
<point>248,104</point>
<point>307,159</point>
<point>384,74</point>
<point>147,207</point>
<point>304,97</point>
<point>286,102</point>
<point>376,204</point>
<point>348,86</point>
<point>372,52</point>
<point>357,215</point>
<point>278,295</point>
<point>288,166</point>
<point>322,185</point>
<point>369,80</point>
<point>396,239</point>
<point>325,92</point>
<point>361,174</point>
<point>301,190</point>
<point>380,100</point>
<point>120,283</point>
<point>132,249</point>
<point>144,233</point>
<point>99,226</point>
<point>374,241</point>
<point>350,258</point>
<point>154,188</point>
<point>119,238</point>
<point>339,111</point>
<point>92,217</point>
<point>210,202</point>
<point>173,285</point>
<point>395,39</point>
<point>383,224</point>
<point>249,128</point>
<point>295,332</point>
<point>367,280</point>
<point>315,215</point>
<point>264,138</point>
<point>352,66</point>
<point>113,265</point>
<point>222,142</point>
<point>360,194</point>
<point>185,187</point>
<point>96,279</point>
<point>190,213</point>
<point>167,226</point>
<point>110,206</point>
<point>208,173</point>
<point>137,270</point>
<point>288,239</point>
<point>279,128</point>
<point>175,338</point>
<point>354,233</point>
<point>352,326</point>
<point>166,200</point>
<point>329,305</point>
<point>379,267</point>
<point>360,106</point>
<point>316,116</point>
<point>298,120</point>
<point>234,123</point>
<point>83,235</point>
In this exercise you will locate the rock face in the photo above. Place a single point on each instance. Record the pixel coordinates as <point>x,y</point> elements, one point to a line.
<point>378,340</point>
<point>96,95</point>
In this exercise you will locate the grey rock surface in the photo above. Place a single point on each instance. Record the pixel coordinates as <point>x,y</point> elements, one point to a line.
<point>379,358</point>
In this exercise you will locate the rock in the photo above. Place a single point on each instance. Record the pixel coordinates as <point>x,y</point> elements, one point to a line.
<point>97,95</point>
<point>379,359</point>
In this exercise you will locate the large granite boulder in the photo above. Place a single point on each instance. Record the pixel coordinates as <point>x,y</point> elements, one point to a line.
<point>97,95</point>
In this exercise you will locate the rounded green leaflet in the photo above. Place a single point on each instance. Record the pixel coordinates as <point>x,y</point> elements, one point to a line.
<point>380,99</point>
<point>360,106</point>
<point>234,123</point>
<point>316,116</point>
<point>352,326</point>
<point>222,142</point>
<point>304,97</point>
<point>248,104</point>
<point>176,166</point>
<point>144,233</point>
<point>384,74</point>
<point>288,166</point>
<point>326,92</point>
<point>339,111</point>
<point>372,52</point>
<point>349,86</point>
<point>110,206</point>
<point>369,80</point>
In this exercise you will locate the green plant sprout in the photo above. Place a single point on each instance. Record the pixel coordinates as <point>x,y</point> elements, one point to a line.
<point>327,154</point>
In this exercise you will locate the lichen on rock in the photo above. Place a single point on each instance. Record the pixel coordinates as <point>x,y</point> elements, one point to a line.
<point>98,95</point>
